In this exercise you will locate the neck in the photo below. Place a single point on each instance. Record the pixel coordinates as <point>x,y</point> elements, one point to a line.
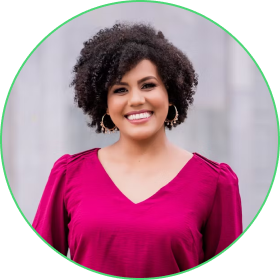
<point>145,149</point>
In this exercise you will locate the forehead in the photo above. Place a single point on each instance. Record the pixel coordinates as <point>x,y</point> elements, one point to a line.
<point>144,68</point>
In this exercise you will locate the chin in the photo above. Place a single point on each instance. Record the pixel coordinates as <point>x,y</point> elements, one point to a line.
<point>141,133</point>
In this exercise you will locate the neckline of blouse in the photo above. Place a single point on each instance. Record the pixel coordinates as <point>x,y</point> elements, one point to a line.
<point>187,164</point>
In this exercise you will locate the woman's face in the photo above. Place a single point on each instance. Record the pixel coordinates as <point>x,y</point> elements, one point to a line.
<point>138,105</point>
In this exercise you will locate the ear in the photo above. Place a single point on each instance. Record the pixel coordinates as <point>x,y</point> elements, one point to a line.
<point>107,111</point>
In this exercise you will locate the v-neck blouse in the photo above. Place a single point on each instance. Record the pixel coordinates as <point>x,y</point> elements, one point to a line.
<point>188,221</point>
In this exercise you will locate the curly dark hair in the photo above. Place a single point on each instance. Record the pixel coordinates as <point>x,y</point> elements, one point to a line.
<point>112,52</point>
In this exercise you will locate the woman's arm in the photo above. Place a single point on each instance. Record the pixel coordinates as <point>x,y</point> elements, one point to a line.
<point>224,224</point>
<point>51,219</point>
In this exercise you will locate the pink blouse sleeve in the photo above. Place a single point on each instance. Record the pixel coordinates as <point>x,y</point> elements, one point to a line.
<point>51,217</point>
<point>224,224</point>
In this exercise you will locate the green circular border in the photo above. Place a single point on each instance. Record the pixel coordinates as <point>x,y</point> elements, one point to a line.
<point>120,2</point>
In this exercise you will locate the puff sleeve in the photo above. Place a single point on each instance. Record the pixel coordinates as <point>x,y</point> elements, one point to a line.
<point>51,219</point>
<point>224,223</point>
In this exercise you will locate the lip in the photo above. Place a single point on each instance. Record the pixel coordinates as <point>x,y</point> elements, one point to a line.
<point>140,120</point>
<point>138,112</point>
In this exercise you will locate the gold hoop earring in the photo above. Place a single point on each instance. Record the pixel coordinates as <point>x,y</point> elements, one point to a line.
<point>105,129</point>
<point>172,122</point>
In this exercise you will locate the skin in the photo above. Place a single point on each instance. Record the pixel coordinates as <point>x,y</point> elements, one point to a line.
<point>143,160</point>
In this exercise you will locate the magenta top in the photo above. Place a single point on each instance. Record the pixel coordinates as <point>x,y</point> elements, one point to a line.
<point>188,221</point>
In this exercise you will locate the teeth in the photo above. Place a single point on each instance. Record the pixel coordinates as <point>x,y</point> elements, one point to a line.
<point>139,116</point>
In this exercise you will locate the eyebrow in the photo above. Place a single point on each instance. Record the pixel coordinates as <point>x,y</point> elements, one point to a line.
<point>139,82</point>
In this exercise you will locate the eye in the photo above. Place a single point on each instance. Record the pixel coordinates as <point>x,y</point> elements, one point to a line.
<point>149,85</point>
<point>119,90</point>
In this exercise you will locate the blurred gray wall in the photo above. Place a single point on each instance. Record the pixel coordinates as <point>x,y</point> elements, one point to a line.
<point>232,119</point>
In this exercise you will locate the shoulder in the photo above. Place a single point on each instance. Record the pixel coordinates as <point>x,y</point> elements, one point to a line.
<point>220,182</point>
<point>222,172</point>
<point>68,160</point>
<point>207,169</point>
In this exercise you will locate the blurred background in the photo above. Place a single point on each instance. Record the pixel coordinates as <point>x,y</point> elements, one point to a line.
<point>232,120</point>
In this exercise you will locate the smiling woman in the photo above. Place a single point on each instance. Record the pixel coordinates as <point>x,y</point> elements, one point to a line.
<point>141,207</point>
<point>114,52</point>
<point>139,95</point>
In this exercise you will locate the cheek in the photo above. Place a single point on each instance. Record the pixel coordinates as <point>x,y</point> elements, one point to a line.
<point>115,106</point>
<point>160,103</point>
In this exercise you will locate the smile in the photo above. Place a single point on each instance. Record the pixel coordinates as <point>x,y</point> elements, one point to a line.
<point>140,117</point>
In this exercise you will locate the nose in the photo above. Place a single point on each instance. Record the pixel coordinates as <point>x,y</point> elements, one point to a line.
<point>135,98</point>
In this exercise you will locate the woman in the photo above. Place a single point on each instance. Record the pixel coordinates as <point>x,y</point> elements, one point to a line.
<point>141,207</point>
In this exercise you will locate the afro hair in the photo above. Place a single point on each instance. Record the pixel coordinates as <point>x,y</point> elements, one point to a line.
<point>112,52</point>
